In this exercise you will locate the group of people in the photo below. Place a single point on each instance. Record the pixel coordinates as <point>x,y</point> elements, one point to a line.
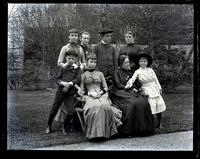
<point>121,95</point>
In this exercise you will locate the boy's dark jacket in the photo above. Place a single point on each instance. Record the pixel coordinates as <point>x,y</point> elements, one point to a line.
<point>68,74</point>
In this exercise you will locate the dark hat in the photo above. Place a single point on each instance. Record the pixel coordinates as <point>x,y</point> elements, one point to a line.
<point>105,30</point>
<point>71,52</point>
<point>149,58</point>
<point>73,30</point>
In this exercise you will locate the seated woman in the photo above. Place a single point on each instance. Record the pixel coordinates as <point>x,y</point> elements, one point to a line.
<point>101,119</point>
<point>136,113</point>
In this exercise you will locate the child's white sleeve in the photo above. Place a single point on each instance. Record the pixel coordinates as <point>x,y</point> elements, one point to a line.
<point>156,79</point>
<point>134,77</point>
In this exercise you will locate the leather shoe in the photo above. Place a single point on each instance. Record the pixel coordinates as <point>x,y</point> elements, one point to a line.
<point>65,131</point>
<point>48,130</point>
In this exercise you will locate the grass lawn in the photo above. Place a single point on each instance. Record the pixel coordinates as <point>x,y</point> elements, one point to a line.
<point>28,112</point>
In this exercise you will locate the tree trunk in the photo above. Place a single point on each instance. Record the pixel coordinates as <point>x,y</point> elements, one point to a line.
<point>151,46</point>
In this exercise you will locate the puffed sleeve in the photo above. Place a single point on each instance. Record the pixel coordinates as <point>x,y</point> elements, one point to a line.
<point>61,57</point>
<point>134,77</point>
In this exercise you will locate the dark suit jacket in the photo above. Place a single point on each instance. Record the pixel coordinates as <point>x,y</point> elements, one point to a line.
<point>69,74</point>
<point>106,58</point>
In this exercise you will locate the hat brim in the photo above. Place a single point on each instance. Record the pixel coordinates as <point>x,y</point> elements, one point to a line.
<point>105,32</point>
<point>149,58</point>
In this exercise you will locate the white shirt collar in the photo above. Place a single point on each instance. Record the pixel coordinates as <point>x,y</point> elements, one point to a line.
<point>103,42</point>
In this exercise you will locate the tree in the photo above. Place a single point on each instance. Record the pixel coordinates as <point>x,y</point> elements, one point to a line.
<point>41,30</point>
<point>32,73</point>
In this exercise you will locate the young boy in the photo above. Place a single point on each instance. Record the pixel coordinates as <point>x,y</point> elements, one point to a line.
<point>72,45</point>
<point>67,79</point>
<point>85,39</point>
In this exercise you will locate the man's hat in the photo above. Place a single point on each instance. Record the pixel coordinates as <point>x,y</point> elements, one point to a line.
<point>105,30</point>
<point>73,30</point>
<point>149,58</point>
<point>71,52</point>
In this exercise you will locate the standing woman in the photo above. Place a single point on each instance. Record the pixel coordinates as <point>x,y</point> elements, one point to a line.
<point>136,112</point>
<point>131,49</point>
<point>100,117</point>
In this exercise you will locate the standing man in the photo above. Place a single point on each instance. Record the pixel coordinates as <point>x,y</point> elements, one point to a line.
<point>84,39</point>
<point>106,55</point>
<point>72,45</point>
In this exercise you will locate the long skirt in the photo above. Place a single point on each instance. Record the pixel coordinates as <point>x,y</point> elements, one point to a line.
<point>101,119</point>
<point>136,112</point>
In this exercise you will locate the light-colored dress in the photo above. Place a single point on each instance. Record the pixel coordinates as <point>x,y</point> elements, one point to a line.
<point>151,87</point>
<point>101,119</point>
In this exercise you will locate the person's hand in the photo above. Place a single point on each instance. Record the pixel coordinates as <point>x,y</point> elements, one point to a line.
<point>135,90</point>
<point>144,93</point>
<point>99,94</point>
<point>65,65</point>
<point>80,92</point>
<point>66,84</point>
<point>65,89</point>
<point>75,66</point>
<point>93,94</point>
<point>129,84</point>
<point>82,66</point>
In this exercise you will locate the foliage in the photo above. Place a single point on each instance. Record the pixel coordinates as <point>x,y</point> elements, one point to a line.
<point>172,67</point>
<point>41,30</point>
<point>32,73</point>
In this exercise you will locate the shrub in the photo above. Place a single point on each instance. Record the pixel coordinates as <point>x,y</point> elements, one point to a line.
<point>172,67</point>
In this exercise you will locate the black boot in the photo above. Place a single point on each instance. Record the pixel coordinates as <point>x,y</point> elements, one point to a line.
<point>159,116</point>
<point>67,125</point>
<point>66,130</point>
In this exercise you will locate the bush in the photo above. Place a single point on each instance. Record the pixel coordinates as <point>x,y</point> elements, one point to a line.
<point>32,73</point>
<point>172,67</point>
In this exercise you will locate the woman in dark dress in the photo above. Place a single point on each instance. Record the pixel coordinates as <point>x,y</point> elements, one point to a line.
<point>137,118</point>
<point>131,49</point>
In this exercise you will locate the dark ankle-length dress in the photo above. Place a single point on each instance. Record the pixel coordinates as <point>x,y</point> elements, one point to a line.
<point>136,113</point>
